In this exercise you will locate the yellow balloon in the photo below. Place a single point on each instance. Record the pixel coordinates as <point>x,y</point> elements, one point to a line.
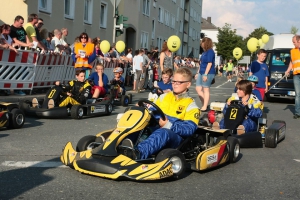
<point>237,53</point>
<point>120,46</point>
<point>252,44</point>
<point>104,46</point>
<point>173,43</point>
<point>265,38</point>
<point>260,42</point>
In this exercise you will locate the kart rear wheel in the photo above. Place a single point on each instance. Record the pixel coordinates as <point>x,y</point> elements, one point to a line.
<point>109,108</point>
<point>16,118</point>
<point>130,97</point>
<point>125,100</point>
<point>234,149</point>
<point>177,159</point>
<point>271,138</point>
<point>77,112</point>
<point>84,142</point>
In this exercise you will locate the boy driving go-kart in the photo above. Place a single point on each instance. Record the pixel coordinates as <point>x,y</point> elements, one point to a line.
<point>181,119</point>
<point>242,110</point>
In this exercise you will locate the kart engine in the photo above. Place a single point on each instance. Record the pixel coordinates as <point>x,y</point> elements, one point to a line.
<point>215,114</point>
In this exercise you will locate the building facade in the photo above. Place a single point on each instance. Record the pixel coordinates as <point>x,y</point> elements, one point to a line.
<point>150,22</point>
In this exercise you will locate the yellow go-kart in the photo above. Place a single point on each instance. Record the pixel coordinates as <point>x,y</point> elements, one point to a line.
<point>101,155</point>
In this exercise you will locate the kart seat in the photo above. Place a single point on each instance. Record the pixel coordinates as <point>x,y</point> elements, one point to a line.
<point>90,101</point>
<point>234,116</point>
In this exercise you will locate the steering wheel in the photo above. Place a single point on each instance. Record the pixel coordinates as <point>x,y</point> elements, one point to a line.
<point>158,110</point>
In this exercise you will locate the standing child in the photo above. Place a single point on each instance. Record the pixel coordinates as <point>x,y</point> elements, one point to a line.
<point>100,81</point>
<point>260,69</point>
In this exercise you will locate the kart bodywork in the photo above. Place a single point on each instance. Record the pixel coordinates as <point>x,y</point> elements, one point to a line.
<point>11,116</point>
<point>205,149</point>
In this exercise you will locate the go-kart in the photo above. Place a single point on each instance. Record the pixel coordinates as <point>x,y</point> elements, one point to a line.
<point>103,155</point>
<point>264,135</point>
<point>119,98</point>
<point>11,116</point>
<point>91,108</point>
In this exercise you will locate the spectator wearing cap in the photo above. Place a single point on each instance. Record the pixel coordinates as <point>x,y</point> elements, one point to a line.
<point>30,30</point>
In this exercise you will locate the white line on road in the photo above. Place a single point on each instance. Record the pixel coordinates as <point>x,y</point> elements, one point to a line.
<point>221,85</point>
<point>296,160</point>
<point>23,164</point>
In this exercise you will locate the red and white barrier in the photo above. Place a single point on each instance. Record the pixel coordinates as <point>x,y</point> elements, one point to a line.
<point>17,70</point>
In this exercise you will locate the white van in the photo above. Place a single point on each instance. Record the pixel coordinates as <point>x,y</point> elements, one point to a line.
<point>278,59</point>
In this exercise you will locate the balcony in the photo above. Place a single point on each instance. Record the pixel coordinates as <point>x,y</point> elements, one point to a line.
<point>185,38</point>
<point>186,16</point>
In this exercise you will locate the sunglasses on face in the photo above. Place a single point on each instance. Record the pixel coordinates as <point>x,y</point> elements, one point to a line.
<point>83,37</point>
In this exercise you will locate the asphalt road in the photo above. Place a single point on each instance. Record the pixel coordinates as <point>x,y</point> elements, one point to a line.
<point>261,173</point>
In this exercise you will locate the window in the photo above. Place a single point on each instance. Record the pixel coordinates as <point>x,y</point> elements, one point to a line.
<point>173,22</point>
<point>159,42</point>
<point>103,15</point>
<point>161,15</point>
<point>167,18</point>
<point>146,7</point>
<point>182,4</point>
<point>144,39</point>
<point>180,26</point>
<point>153,29</point>
<point>45,6</point>
<point>88,11</point>
<point>69,9</point>
<point>177,16</point>
<point>174,1</point>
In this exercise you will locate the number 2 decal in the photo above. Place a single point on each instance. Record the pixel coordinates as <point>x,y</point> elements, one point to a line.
<point>51,93</point>
<point>233,113</point>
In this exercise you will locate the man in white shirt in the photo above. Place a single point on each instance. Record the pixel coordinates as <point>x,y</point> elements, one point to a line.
<point>58,43</point>
<point>138,70</point>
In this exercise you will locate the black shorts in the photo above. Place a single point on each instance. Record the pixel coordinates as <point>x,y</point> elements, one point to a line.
<point>229,73</point>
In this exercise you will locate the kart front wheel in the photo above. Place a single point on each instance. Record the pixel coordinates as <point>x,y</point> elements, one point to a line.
<point>77,112</point>
<point>84,142</point>
<point>109,108</point>
<point>16,118</point>
<point>271,138</point>
<point>130,98</point>
<point>234,149</point>
<point>177,159</point>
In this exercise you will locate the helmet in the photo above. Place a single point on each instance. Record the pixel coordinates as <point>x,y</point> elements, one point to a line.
<point>253,78</point>
<point>118,70</point>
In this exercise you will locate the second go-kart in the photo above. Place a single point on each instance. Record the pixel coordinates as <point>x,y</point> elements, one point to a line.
<point>103,155</point>
<point>91,108</point>
<point>11,116</point>
<point>119,98</point>
<point>269,136</point>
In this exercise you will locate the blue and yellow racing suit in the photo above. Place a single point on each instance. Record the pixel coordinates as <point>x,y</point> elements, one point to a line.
<point>183,117</point>
<point>255,112</point>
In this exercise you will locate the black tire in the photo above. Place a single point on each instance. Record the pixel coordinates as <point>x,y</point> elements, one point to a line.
<point>109,108</point>
<point>23,105</point>
<point>84,142</point>
<point>271,138</point>
<point>125,100</point>
<point>77,112</point>
<point>234,149</point>
<point>16,118</point>
<point>130,98</point>
<point>178,161</point>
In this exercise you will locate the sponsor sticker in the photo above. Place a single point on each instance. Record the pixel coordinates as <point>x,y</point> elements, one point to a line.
<point>212,158</point>
<point>144,167</point>
<point>166,173</point>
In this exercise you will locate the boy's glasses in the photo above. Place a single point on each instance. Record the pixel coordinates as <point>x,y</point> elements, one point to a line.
<point>178,82</point>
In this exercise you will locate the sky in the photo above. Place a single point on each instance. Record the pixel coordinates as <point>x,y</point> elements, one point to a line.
<point>277,16</point>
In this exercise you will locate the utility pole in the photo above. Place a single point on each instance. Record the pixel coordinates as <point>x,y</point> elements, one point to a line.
<point>115,20</point>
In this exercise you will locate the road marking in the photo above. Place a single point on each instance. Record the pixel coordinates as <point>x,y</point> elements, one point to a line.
<point>296,160</point>
<point>221,85</point>
<point>24,164</point>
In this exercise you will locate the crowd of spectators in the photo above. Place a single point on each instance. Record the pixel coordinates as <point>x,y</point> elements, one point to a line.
<point>32,36</point>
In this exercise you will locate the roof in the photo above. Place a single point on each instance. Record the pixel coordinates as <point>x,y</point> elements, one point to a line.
<point>280,41</point>
<point>206,24</point>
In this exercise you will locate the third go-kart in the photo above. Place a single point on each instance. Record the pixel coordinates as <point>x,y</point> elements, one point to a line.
<point>91,108</point>
<point>269,136</point>
<point>11,116</point>
<point>103,155</point>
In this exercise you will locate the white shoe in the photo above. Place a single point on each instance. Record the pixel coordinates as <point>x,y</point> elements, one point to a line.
<point>50,103</point>
<point>35,103</point>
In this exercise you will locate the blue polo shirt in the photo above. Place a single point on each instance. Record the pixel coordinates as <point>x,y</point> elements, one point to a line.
<point>94,76</point>
<point>261,71</point>
<point>207,57</point>
<point>166,86</point>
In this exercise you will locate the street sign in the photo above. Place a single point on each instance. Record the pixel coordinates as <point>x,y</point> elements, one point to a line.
<point>117,2</point>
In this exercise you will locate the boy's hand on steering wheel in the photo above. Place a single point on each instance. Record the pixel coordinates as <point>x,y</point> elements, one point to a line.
<point>228,101</point>
<point>162,122</point>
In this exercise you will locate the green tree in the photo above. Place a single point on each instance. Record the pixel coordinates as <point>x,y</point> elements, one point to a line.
<point>227,41</point>
<point>294,30</point>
